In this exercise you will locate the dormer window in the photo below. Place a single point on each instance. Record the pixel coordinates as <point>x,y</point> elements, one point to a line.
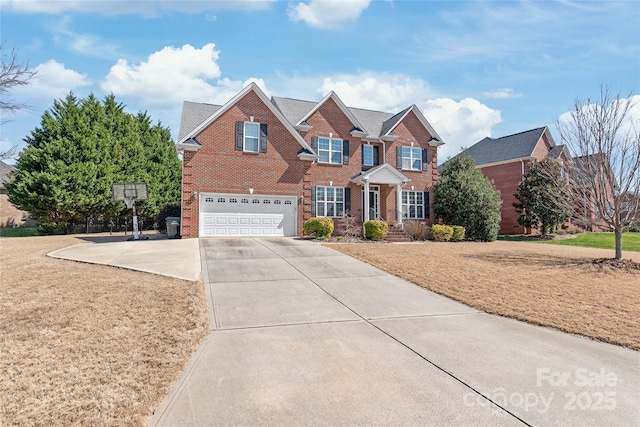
<point>331,150</point>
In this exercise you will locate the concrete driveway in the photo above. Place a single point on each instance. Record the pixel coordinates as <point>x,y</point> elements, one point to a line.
<point>304,335</point>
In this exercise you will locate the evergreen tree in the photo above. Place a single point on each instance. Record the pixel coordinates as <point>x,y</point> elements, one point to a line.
<point>463,196</point>
<point>544,196</point>
<point>80,149</point>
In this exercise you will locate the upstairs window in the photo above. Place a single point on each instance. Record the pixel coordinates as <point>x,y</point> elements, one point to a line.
<point>370,156</point>
<point>411,158</point>
<point>331,150</point>
<point>251,137</point>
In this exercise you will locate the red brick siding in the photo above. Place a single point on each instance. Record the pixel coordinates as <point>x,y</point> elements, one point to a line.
<point>506,178</point>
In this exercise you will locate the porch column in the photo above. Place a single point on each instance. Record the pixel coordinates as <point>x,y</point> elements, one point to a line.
<point>366,201</point>
<point>399,204</point>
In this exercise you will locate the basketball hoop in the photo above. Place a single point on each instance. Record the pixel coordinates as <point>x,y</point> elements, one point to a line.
<point>130,193</point>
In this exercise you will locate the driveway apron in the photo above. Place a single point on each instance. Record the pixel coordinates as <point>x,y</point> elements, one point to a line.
<point>304,335</point>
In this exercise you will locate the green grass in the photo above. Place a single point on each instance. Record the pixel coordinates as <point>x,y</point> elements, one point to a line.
<point>630,241</point>
<point>19,232</point>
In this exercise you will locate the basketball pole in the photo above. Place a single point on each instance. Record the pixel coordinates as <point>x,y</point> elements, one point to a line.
<point>135,222</point>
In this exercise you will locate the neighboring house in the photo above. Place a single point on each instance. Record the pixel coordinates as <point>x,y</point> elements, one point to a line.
<point>261,167</point>
<point>10,216</point>
<point>505,160</point>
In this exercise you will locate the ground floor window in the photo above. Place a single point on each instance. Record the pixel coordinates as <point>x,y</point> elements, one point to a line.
<point>413,204</point>
<point>330,201</point>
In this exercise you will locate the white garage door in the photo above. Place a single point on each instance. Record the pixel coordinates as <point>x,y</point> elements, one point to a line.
<point>238,215</point>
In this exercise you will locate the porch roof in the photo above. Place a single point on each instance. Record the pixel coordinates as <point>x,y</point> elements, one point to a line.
<point>381,174</point>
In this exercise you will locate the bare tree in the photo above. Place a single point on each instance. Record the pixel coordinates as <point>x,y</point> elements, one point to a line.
<point>603,137</point>
<point>12,74</point>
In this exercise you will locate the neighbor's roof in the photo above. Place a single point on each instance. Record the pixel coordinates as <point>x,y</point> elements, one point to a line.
<point>510,147</point>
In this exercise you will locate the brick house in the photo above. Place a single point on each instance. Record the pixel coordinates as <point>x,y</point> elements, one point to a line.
<point>505,160</point>
<point>260,167</point>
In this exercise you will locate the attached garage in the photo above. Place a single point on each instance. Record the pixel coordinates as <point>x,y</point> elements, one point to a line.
<point>247,215</point>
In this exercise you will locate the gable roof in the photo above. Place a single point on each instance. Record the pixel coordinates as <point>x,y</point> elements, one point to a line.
<point>194,113</point>
<point>306,151</point>
<point>511,147</point>
<point>394,121</point>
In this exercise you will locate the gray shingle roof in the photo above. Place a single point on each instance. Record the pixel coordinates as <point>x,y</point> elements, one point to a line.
<point>509,147</point>
<point>292,109</point>
<point>193,114</point>
<point>556,151</point>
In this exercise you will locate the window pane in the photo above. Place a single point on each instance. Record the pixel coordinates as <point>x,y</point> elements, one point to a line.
<point>417,164</point>
<point>336,145</point>
<point>406,151</point>
<point>323,143</point>
<point>404,197</point>
<point>419,212</point>
<point>336,157</point>
<point>324,156</point>
<point>339,209</point>
<point>415,153</point>
<point>419,195</point>
<point>251,144</point>
<point>406,164</point>
<point>320,209</point>
<point>339,194</point>
<point>251,130</point>
<point>320,194</point>
<point>331,194</point>
<point>412,211</point>
<point>331,209</point>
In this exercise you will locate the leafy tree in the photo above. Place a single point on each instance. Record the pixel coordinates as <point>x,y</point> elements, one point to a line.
<point>79,150</point>
<point>544,196</point>
<point>465,197</point>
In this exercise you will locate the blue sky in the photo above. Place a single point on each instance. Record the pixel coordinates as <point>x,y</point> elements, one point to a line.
<point>476,69</point>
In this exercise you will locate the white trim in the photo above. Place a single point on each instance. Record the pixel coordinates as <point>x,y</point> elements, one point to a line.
<point>369,175</point>
<point>422,120</point>
<point>251,87</point>
<point>337,100</point>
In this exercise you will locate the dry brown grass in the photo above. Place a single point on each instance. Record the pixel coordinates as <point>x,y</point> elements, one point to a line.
<point>555,286</point>
<point>85,344</point>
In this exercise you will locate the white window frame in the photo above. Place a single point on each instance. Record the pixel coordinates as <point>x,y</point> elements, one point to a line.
<point>328,197</point>
<point>407,204</point>
<point>415,156</point>
<point>246,138</point>
<point>330,151</point>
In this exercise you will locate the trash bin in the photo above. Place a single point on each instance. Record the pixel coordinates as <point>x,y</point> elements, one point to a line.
<point>173,227</point>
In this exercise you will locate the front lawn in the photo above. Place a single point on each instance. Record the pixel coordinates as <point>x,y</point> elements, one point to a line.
<point>630,241</point>
<point>555,286</point>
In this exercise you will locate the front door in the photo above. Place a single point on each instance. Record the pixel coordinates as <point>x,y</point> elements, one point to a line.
<point>374,202</point>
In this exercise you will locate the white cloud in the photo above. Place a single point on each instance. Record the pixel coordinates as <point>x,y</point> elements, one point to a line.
<point>168,76</point>
<point>146,8</point>
<point>502,93</point>
<point>460,124</point>
<point>382,92</point>
<point>52,81</point>
<point>327,14</point>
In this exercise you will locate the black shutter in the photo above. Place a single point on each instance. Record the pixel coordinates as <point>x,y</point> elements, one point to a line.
<point>239,135</point>
<point>313,201</point>
<point>263,137</point>
<point>314,144</point>
<point>399,157</point>
<point>425,159</point>
<point>364,167</point>
<point>376,155</point>
<point>347,201</point>
<point>345,151</point>
<point>427,214</point>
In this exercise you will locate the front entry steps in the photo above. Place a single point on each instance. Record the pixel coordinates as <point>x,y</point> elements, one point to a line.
<point>396,234</point>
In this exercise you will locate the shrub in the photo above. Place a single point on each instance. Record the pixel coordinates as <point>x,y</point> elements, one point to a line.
<point>318,227</point>
<point>458,233</point>
<point>375,229</point>
<point>442,233</point>
<point>570,230</point>
<point>417,230</point>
